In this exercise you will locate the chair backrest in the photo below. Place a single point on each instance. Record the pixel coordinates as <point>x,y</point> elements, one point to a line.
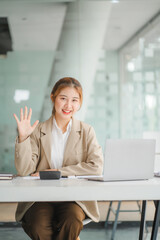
<point>86,221</point>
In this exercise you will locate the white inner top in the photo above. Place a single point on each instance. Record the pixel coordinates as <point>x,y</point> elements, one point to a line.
<point>59,140</point>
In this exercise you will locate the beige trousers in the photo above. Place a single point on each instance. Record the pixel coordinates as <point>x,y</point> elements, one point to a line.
<point>53,220</point>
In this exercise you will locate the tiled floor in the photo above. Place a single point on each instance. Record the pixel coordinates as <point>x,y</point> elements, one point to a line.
<point>92,231</point>
<point>124,232</point>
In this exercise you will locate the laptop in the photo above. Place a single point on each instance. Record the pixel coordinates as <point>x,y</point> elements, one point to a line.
<point>128,159</point>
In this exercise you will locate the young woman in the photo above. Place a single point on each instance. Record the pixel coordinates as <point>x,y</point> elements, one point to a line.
<point>60,143</point>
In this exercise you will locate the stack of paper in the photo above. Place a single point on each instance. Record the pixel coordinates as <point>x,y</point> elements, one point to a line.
<point>6,176</point>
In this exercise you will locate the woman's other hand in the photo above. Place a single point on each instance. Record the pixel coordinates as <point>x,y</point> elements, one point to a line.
<point>52,169</point>
<point>36,174</point>
<point>24,124</point>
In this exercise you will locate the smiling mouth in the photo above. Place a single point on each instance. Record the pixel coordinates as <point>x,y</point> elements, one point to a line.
<point>66,111</point>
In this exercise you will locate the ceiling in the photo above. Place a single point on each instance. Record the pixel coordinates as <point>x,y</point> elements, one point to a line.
<point>126,18</point>
<point>33,20</point>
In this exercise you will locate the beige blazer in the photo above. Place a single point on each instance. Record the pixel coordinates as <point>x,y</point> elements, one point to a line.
<point>82,156</point>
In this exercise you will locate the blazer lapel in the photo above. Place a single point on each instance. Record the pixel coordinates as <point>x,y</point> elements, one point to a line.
<point>73,138</point>
<point>46,138</point>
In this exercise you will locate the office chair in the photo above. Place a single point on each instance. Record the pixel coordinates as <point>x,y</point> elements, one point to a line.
<point>85,222</point>
<point>116,213</point>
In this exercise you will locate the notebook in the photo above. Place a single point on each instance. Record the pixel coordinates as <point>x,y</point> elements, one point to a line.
<point>128,159</point>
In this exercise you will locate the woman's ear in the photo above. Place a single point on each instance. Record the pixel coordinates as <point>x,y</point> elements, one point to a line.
<point>51,96</point>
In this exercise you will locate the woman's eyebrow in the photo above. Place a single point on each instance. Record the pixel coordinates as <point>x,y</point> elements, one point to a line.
<point>62,95</point>
<point>76,97</point>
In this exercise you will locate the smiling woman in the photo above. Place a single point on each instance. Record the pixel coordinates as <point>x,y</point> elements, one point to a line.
<point>66,96</point>
<point>53,145</point>
<point>67,83</point>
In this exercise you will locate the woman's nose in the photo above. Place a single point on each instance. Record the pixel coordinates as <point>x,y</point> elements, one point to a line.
<point>68,104</point>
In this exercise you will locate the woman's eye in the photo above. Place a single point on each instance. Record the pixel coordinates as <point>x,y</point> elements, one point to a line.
<point>74,100</point>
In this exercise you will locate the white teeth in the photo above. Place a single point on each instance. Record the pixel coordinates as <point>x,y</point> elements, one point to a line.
<point>66,111</point>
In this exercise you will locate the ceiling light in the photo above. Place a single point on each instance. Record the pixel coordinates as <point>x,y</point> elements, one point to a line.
<point>115,1</point>
<point>21,95</point>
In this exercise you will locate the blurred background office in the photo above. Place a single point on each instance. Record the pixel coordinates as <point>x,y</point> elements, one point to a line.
<point>112,47</point>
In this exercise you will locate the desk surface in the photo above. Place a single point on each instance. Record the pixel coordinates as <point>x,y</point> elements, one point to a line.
<point>20,190</point>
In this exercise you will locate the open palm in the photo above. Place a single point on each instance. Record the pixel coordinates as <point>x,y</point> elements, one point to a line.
<point>24,124</point>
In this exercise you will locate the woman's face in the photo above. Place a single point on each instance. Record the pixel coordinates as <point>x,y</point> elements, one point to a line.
<point>66,103</point>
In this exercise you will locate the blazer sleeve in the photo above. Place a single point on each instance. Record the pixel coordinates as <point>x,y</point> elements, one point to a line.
<point>92,164</point>
<point>27,154</point>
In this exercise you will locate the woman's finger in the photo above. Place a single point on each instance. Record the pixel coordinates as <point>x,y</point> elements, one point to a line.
<point>30,114</point>
<point>35,124</point>
<point>15,116</point>
<point>35,174</point>
<point>21,114</point>
<point>51,169</point>
<point>25,112</point>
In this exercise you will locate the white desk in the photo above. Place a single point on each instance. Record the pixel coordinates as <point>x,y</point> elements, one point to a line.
<point>19,190</point>
<point>24,190</point>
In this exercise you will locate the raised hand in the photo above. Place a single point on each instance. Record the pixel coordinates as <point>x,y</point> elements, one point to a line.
<point>24,124</point>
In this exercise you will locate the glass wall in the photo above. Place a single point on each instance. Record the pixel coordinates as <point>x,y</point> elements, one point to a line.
<point>140,82</point>
<point>103,109</point>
